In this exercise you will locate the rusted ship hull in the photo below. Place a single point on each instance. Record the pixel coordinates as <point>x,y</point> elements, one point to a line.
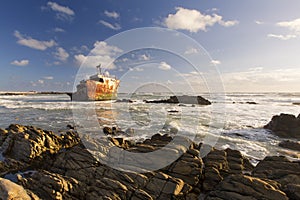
<point>96,91</point>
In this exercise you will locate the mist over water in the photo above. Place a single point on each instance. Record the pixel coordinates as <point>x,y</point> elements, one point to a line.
<point>242,129</point>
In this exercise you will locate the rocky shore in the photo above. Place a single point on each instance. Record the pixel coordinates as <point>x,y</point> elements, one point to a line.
<point>39,164</point>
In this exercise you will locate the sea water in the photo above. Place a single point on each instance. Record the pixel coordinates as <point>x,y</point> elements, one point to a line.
<point>230,122</point>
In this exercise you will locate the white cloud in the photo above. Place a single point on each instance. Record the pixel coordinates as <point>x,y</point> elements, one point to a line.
<point>33,43</point>
<point>61,54</point>
<point>194,20</point>
<point>258,22</point>
<point>293,25</point>
<point>215,62</point>
<point>191,51</point>
<point>59,30</point>
<point>102,53</point>
<point>115,26</point>
<point>58,8</point>
<point>112,14</point>
<point>164,66</point>
<point>48,77</point>
<point>282,37</point>
<point>41,81</point>
<point>20,63</point>
<point>62,12</point>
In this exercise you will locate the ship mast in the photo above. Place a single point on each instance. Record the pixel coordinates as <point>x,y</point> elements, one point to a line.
<point>98,68</point>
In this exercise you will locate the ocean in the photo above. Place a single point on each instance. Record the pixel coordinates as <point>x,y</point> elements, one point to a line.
<point>233,121</point>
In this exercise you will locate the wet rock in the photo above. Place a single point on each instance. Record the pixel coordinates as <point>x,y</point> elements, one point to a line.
<point>107,131</point>
<point>251,102</point>
<point>285,125</point>
<point>124,101</point>
<point>183,100</point>
<point>288,144</point>
<point>70,126</point>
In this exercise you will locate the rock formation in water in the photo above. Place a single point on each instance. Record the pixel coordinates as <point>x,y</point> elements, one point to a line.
<point>285,125</point>
<point>183,99</point>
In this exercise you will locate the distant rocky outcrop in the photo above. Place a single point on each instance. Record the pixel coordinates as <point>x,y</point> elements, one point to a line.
<point>285,125</point>
<point>183,99</point>
<point>39,164</point>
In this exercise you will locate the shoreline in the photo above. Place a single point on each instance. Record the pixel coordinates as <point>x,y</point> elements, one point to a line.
<point>50,166</point>
<point>32,93</point>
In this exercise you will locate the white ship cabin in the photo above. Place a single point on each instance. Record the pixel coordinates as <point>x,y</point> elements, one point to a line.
<point>101,77</point>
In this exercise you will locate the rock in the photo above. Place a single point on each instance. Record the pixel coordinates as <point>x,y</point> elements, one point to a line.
<point>70,126</point>
<point>220,163</point>
<point>288,144</point>
<point>53,186</point>
<point>251,102</point>
<point>117,131</point>
<point>244,187</point>
<point>107,130</point>
<point>124,101</point>
<point>285,125</point>
<point>281,170</point>
<point>11,191</point>
<point>292,191</point>
<point>25,143</point>
<point>62,168</point>
<point>183,100</point>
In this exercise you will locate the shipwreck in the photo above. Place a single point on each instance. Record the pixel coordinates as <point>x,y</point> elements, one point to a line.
<point>98,87</point>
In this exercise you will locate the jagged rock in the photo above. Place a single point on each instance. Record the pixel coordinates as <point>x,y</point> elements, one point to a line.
<point>62,168</point>
<point>220,163</point>
<point>25,143</point>
<point>183,99</point>
<point>285,125</point>
<point>48,185</point>
<point>281,170</point>
<point>242,187</point>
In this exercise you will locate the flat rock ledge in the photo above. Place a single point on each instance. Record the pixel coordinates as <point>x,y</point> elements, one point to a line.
<point>39,164</point>
<point>182,100</point>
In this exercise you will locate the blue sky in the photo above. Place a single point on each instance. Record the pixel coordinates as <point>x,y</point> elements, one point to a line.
<point>254,44</point>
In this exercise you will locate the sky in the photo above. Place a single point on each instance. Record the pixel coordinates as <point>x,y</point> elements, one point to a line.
<point>204,45</point>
